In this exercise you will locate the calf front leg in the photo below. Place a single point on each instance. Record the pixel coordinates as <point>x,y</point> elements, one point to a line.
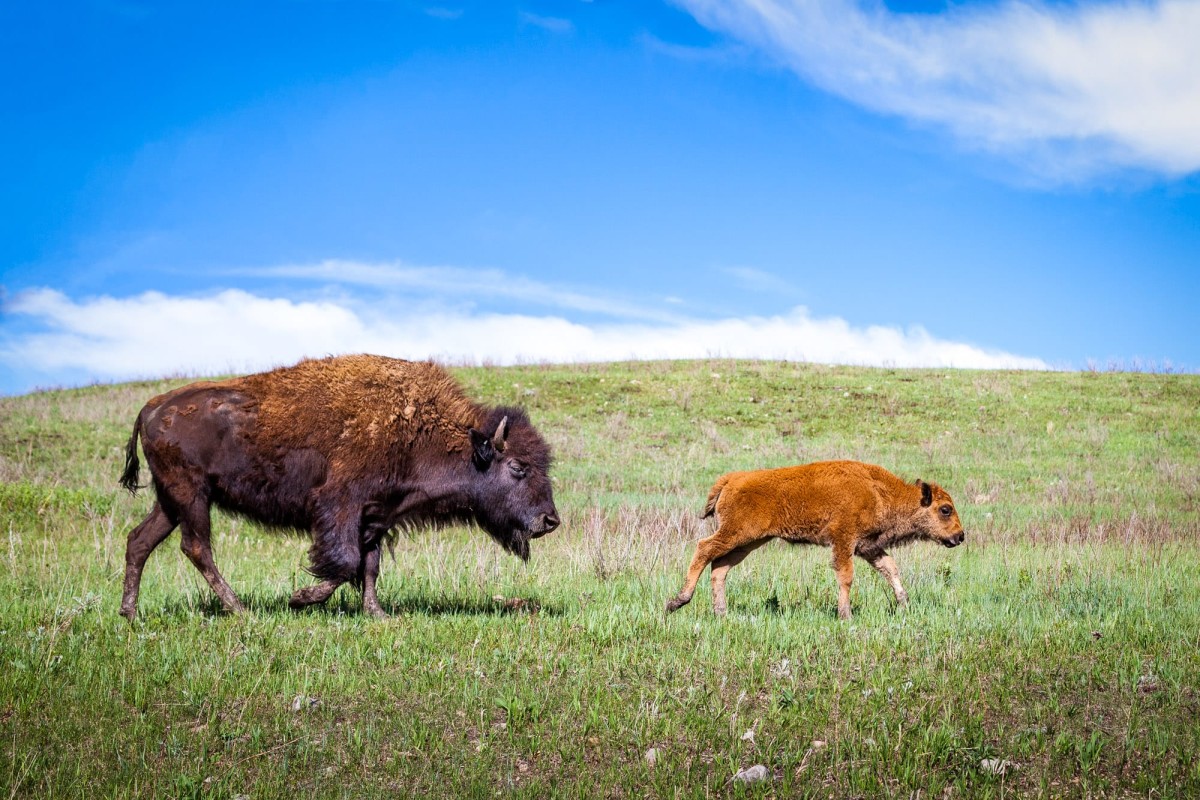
<point>886,567</point>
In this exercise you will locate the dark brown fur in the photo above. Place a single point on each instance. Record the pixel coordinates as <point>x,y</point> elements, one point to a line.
<point>854,508</point>
<point>346,448</point>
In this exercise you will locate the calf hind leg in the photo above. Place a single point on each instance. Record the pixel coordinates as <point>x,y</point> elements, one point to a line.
<point>707,551</point>
<point>843,566</point>
<point>142,541</point>
<point>721,567</point>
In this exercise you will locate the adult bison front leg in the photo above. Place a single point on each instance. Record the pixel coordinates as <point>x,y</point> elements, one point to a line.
<point>311,595</point>
<point>370,572</point>
<point>337,556</point>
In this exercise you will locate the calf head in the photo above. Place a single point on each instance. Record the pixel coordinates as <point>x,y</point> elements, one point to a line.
<point>511,495</point>
<point>937,518</point>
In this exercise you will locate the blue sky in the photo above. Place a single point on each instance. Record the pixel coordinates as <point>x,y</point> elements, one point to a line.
<point>202,187</point>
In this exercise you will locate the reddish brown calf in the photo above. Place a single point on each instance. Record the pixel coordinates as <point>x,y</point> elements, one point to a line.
<point>855,508</point>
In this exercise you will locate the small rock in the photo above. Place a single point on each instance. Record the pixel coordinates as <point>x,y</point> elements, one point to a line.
<point>818,744</point>
<point>301,703</point>
<point>752,774</point>
<point>651,757</point>
<point>996,766</point>
<point>1148,684</point>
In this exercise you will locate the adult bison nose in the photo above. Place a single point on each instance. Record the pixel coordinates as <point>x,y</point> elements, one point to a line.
<point>547,523</point>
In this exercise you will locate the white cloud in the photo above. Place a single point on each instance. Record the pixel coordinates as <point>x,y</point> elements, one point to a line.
<point>1071,89</point>
<point>153,334</point>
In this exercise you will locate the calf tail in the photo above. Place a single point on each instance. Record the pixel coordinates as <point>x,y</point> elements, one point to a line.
<point>710,507</point>
<point>129,478</point>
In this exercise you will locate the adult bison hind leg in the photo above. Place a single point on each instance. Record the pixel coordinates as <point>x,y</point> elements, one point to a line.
<point>196,526</point>
<point>142,541</point>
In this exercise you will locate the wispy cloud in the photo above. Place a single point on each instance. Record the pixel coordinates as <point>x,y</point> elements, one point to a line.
<point>718,53</point>
<point>1070,90</point>
<point>115,338</point>
<point>489,286</point>
<point>551,24</point>
<point>758,280</point>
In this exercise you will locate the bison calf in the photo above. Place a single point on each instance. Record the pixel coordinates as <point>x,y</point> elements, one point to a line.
<point>855,508</point>
<point>345,448</point>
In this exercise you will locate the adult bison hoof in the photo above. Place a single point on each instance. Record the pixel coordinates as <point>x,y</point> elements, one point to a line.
<point>375,611</point>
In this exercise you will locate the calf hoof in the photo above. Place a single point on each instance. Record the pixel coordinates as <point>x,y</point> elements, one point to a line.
<point>674,604</point>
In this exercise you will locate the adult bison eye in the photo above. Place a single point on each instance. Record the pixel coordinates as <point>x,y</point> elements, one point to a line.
<point>516,469</point>
<point>946,511</point>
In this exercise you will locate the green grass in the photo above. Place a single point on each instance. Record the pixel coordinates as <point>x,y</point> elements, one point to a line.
<point>1064,637</point>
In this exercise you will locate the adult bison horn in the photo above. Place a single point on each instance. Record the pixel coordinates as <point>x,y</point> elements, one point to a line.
<point>498,436</point>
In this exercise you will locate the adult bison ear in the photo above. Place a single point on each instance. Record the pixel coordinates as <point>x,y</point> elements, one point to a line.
<point>482,451</point>
<point>500,435</point>
<point>926,493</point>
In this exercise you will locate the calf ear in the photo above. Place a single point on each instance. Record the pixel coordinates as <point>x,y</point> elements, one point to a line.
<point>926,493</point>
<point>482,451</point>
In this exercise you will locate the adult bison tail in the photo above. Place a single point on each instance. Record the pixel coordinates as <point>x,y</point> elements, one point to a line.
<point>715,492</point>
<point>129,478</point>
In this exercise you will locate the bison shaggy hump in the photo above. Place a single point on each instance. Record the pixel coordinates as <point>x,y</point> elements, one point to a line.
<point>346,448</point>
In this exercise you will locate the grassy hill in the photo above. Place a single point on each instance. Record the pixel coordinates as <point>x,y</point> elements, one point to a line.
<point>1064,637</point>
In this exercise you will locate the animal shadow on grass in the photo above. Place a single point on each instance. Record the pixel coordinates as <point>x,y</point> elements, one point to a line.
<point>807,607</point>
<point>348,603</point>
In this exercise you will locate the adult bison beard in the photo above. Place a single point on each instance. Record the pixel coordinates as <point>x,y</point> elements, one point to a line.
<point>514,541</point>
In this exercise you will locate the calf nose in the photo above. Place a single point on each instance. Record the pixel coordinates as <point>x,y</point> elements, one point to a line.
<point>962,537</point>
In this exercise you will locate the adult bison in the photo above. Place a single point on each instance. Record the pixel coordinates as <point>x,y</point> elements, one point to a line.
<point>855,508</point>
<point>346,448</point>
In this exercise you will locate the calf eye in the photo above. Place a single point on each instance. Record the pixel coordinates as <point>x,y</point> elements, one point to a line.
<point>946,511</point>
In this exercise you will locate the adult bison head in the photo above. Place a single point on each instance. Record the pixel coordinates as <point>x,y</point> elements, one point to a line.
<point>511,497</point>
